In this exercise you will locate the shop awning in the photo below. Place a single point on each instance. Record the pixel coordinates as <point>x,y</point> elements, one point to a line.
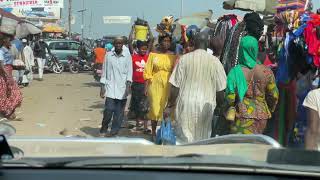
<point>9,15</point>
<point>8,23</point>
<point>25,28</point>
<point>260,6</point>
<point>52,28</point>
<point>200,19</point>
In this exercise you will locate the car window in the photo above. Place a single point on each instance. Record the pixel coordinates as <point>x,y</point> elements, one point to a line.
<point>60,45</point>
<point>74,46</point>
<point>52,45</point>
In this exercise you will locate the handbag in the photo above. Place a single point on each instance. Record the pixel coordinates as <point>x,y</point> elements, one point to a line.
<point>26,72</point>
<point>165,135</point>
<point>18,64</point>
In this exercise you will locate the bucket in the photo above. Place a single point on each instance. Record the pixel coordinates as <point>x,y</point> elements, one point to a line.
<point>141,32</point>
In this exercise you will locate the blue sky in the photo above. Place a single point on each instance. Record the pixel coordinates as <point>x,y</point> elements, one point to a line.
<point>152,10</point>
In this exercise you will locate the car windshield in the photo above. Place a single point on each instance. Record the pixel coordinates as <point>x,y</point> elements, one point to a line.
<point>204,81</point>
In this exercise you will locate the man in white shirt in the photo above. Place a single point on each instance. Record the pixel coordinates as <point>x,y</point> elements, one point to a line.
<point>197,81</point>
<point>28,59</point>
<point>312,103</point>
<point>116,80</point>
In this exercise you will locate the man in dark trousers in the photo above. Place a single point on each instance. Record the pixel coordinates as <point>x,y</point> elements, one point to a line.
<point>40,50</point>
<point>116,81</point>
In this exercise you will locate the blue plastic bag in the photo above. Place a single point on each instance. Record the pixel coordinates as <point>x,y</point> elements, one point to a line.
<point>166,135</point>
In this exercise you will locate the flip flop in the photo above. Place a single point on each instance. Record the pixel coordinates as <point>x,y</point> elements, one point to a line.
<point>146,131</point>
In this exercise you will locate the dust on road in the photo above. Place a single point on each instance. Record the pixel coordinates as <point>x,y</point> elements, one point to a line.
<point>62,105</point>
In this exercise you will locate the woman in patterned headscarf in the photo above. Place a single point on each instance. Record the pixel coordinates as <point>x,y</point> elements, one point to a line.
<point>251,91</point>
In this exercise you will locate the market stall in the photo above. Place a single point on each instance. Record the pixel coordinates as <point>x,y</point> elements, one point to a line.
<point>9,23</point>
<point>298,58</point>
<point>15,26</point>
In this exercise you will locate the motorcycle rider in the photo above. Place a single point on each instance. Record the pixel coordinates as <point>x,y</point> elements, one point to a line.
<point>82,51</point>
<point>99,53</point>
<point>40,50</point>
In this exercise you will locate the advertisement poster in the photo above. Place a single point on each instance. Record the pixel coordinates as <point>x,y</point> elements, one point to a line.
<point>37,12</point>
<point>30,3</point>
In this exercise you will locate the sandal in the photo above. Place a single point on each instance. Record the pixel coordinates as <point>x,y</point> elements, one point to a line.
<point>12,117</point>
<point>146,131</point>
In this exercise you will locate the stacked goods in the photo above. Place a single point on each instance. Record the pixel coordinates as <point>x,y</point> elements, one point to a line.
<point>285,5</point>
<point>166,26</point>
<point>141,29</point>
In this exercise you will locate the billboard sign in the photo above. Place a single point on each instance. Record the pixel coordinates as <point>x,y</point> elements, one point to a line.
<point>30,3</point>
<point>116,19</point>
<point>37,12</point>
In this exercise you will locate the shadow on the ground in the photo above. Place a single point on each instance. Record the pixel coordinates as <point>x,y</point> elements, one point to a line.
<point>90,131</point>
<point>124,132</point>
<point>91,84</point>
<point>97,106</point>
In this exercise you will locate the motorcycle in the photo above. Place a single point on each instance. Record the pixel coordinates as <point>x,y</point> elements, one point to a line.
<point>76,64</point>
<point>97,71</point>
<point>52,65</point>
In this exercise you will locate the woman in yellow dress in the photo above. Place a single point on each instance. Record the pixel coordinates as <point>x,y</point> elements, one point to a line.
<point>156,74</point>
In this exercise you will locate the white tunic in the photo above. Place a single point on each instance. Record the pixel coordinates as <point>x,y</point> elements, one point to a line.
<point>28,57</point>
<point>198,75</point>
<point>312,101</point>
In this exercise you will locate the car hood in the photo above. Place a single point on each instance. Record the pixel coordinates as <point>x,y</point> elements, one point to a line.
<point>35,147</point>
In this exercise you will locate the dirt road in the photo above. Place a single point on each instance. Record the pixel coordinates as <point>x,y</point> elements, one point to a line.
<point>62,105</point>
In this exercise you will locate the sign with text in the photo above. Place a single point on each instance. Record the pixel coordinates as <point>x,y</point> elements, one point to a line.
<point>116,19</point>
<point>37,12</point>
<point>30,3</point>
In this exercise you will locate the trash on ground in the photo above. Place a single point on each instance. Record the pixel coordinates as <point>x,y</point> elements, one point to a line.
<point>85,119</point>
<point>41,125</point>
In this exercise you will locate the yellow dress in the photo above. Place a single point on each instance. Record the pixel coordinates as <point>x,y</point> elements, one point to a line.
<point>158,70</point>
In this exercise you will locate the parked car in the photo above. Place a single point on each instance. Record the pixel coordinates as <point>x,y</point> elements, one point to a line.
<point>62,49</point>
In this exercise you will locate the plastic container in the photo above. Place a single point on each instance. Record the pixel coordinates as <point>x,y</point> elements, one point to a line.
<point>141,32</point>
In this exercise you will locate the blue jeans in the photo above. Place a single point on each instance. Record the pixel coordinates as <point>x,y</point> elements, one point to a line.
<point>114,108</point>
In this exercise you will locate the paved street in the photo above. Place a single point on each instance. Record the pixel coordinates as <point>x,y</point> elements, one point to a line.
<point>62,105</point>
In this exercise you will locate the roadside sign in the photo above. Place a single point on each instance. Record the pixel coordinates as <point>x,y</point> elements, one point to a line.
<point>116,19</point>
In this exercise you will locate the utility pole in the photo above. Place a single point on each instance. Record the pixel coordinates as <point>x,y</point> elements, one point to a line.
<point>69,18</point>
<point>82,19</point>
<point>90,25</point>
<point>181,9</point>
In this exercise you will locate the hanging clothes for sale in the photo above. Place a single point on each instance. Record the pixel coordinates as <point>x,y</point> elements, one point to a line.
<point>224,26</point>
<point>312,41</point>
<point>229,56</point>
<point>286,5</point>
<point>304,86</point>
<point>252,25</point>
